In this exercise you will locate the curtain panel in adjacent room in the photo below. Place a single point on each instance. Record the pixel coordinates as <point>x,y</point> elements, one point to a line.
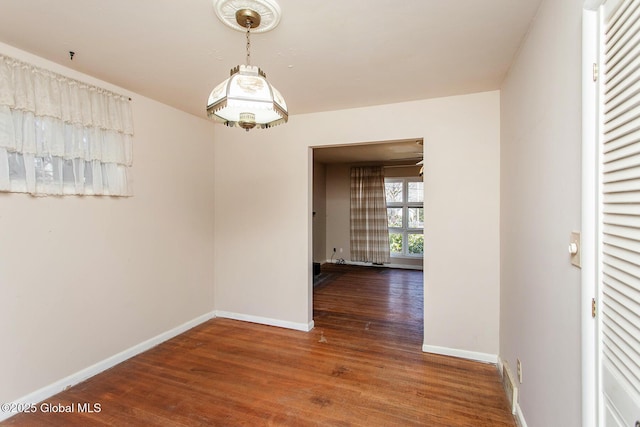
<point>60,136</point>
<point>369,227</point>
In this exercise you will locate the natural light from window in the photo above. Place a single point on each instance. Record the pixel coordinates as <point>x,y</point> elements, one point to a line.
<point>405,214</point>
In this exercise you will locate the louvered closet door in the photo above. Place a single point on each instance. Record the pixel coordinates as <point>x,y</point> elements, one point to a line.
<point>620,227</point>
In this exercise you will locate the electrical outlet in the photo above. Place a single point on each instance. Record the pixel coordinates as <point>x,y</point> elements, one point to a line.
<point>340,250</point>
<point>519,370</point>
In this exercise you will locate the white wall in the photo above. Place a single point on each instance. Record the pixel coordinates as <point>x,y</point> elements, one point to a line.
<point>540,194</point>
<point>263,217</point>
<point>84,278</point>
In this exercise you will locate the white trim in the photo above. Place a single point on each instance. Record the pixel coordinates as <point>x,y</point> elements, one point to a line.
<point>464,354</point>
<point>86,373</point>
<point>589,237</point>
<point>519,416</point>
<point>593,5</point>
<point>305,327</point>
<point>365,264</point>
<point>398,256</point>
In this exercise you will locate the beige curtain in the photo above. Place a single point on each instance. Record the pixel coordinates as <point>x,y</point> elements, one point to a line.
<point>369,231</point>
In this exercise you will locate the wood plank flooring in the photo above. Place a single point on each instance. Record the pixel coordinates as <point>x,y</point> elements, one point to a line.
<point>362,365</point>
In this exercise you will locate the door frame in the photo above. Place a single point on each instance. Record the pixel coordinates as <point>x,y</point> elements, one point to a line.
<point>591,384</point>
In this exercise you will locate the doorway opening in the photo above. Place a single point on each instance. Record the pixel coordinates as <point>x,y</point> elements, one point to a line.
<point>331,251</point>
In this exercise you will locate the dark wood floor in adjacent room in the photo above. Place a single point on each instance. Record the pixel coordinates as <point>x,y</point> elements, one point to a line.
<point>362,365</point>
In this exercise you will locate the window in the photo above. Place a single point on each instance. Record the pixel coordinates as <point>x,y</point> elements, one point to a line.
<point>405,216</point>
<point>61,136</point>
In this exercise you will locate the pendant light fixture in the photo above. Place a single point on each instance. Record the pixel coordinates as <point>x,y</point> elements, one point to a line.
<point>246,99</point>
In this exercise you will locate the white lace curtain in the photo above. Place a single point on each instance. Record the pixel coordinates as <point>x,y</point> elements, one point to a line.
<point>369,224</point>
<point>61,136</point>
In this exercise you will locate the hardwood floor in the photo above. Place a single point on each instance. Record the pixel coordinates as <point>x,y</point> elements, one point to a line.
<point>362,365</point>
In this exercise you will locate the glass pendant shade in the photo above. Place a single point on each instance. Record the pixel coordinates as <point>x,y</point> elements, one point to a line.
<point>247,100</point>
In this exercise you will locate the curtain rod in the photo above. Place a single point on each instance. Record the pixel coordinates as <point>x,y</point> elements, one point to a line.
<point>57,75</point>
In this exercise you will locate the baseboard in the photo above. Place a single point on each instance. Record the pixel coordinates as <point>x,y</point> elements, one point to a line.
<point>84,374</point>
<point>368,264</point>
<point>520,417</point>
<point>305,327</point>
<point>463,354</point>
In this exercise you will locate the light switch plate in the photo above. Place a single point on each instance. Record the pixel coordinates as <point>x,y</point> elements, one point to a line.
<point>575,257</point>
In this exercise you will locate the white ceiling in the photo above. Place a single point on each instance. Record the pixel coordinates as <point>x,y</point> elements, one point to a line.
<point>324,55</point>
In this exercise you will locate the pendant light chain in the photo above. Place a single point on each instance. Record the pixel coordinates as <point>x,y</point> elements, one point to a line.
<point>248,42</point>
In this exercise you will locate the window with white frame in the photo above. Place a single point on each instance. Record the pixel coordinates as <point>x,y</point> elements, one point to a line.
<point>405,213</point>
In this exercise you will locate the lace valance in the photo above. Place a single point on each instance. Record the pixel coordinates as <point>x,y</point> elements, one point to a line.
<point>47,119</point>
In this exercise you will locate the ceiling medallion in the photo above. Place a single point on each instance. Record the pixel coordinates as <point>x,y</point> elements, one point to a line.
<point>246,99</point>
<point>268,10</point>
